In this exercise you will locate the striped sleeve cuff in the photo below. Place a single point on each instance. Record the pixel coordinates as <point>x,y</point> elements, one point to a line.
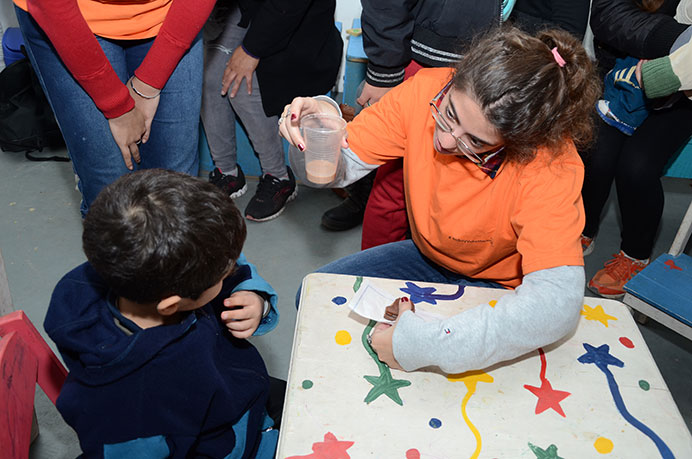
<point>384,77</point>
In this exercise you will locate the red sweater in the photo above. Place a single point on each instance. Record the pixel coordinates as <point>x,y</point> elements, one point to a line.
<point>73,38</point>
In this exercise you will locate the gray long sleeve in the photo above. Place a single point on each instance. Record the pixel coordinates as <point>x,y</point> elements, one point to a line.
<point>543,309</point>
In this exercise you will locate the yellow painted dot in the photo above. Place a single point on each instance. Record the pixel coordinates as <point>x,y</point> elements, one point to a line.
<point>492,303</point>
<point>31,209</point>
<point>603,445</point>
<point>342,337</point>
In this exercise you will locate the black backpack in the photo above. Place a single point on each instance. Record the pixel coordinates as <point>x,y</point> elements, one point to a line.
<point>27,122</point>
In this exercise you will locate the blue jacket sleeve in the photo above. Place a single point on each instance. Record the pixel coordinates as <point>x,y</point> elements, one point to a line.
<point>258,284</point>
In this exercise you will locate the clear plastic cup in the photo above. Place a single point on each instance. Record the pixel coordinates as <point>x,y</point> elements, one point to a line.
<point>323,134</point>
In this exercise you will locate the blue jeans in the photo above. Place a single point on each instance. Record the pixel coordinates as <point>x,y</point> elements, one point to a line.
<point>398,260</point>
<point>96,158</point>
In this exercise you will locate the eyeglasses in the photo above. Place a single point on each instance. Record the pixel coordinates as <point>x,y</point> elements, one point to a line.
<point>477,158</point>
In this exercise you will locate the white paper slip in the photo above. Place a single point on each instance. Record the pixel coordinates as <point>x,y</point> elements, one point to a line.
<point>370,302</point>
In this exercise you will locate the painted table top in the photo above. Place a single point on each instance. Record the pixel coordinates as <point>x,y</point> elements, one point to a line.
<point>596,393</point>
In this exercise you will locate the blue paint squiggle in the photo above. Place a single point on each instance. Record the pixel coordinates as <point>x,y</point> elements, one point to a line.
<point>427,294</point>
<point>601,357</point>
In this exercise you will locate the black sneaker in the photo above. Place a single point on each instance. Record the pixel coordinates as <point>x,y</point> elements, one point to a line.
<point>346,215</point>
<point>271,197</point>
<point>233,186</point>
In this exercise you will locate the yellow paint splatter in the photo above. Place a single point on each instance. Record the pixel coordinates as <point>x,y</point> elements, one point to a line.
<point>31,209</point>
<point>342,337</point>
<point>597,314</point>
<point>470,380</point>
<point>492,303</point>
<point>603,445</point>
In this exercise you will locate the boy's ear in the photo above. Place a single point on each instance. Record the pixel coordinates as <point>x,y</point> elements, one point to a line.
<point>168,306</point>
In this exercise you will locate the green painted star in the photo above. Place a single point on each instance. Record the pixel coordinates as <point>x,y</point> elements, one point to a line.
<point>385,385</point>
<point>549,453</point>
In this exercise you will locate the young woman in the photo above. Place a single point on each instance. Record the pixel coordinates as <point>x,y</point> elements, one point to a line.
<point>492,180</point>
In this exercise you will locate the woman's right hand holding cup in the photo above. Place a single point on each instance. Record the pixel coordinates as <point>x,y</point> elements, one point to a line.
<point>289,122</point>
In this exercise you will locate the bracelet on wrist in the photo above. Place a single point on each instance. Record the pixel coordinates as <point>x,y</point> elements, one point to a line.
<point>143,96</point>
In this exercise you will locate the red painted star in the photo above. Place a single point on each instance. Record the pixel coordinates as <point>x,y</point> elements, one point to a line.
<point>548,397</point>
<point>330,448</point>
<point>671,265</point>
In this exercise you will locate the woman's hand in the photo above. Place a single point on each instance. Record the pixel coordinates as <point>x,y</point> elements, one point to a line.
<point>381,338</point>
<point>127,130</point>
<point>240,66</point>
<point>289,122</point>
<point>148,105</point>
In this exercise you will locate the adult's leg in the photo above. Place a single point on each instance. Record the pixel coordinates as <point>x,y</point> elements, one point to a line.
<point>600,167</point>
<point>96,158</point>
<point>398,260</point>
<point>174,140</point>
<point>644,155</point>
<point>218,116</point>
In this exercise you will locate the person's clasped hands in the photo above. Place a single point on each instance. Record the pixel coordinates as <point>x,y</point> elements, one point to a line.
<point>132,128</point>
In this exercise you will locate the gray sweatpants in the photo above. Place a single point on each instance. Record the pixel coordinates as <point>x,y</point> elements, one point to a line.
<point>221,37</point>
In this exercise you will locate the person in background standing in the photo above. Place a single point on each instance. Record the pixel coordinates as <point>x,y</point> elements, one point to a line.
<point>124,79</point>
<point>258,56</point>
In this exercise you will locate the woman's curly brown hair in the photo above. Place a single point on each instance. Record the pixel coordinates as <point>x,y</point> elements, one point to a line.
<point>526,95</point>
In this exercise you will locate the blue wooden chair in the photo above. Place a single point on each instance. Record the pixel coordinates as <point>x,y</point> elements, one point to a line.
<point>663,290</point>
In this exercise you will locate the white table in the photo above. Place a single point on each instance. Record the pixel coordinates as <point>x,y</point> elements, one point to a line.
<point>596,393</point>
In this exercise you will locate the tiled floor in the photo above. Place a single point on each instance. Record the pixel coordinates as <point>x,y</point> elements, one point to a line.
<point>40,233</point>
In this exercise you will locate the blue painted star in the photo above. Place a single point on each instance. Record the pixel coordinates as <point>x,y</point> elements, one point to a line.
<point>600,356</point>
<point>427,294</point>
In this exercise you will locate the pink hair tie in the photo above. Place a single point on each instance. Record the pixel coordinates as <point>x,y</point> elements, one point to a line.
<point>560,61</point>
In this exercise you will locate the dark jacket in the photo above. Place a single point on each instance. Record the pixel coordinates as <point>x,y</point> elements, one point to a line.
<point>429,32</point>
<point>622,29</point>
<point>182,390</point>
<point>298,45</point>
<point>569,15</point>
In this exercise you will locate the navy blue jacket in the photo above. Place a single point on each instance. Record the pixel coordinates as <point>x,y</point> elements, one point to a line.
<point>184,390</point>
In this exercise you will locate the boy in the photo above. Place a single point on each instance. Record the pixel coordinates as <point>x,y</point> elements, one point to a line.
<point>153,326</point>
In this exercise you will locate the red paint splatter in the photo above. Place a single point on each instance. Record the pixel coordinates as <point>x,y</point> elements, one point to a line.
<point>627,342</point>
<point>413,454</point>
<point>330,448</point>
<point>547,396</point>
<point>671,265</point>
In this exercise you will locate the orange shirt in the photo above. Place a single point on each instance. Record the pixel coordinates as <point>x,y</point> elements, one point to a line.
<point>134,20</point>
<point>529,217</point>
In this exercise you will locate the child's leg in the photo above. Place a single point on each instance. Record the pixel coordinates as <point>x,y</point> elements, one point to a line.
<point>275,403</point>
<point>218,117</point>
<point>263,130</point>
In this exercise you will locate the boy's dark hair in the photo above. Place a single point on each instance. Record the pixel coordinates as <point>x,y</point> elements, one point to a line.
<point>156,233</point>
<point>530,98</point>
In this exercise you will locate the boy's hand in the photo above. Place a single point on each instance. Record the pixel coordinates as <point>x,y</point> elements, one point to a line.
<point>244,314</point>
